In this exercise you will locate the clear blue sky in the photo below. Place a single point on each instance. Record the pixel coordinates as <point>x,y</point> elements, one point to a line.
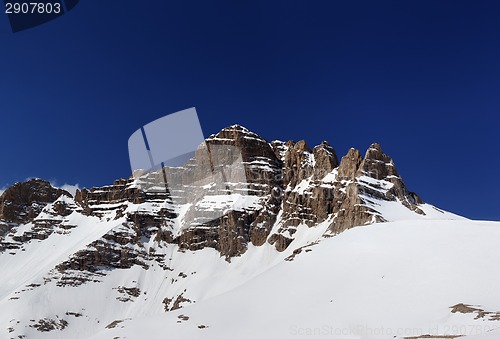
<point>422,78</point>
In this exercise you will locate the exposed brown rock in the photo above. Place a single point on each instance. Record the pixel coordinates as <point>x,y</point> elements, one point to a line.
<point>47,325</point>
<point>179,300</point>
<point>480,313</point>
<point>352,190</point>
<point>280,241</point>
<point>325,160</point>
<point>120,192</point>
<point>114,323</point>
<point>230,233</point>
<point>349,164</point>
<point>23,201</point>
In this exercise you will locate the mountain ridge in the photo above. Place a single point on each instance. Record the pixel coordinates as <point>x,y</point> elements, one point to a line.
<point>151,251</point>
<point>287,175</point>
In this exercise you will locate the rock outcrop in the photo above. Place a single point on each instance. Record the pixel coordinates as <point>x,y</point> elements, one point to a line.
<point>21,204</point>
<point>23,201</point>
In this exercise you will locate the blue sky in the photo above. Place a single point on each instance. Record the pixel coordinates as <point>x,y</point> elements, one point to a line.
<point>421,78</point>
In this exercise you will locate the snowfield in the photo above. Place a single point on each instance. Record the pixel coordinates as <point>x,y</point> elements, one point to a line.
<point>387,280</point>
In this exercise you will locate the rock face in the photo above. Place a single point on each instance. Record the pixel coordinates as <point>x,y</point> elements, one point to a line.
<point>260,180</point>
<point>281,186</point>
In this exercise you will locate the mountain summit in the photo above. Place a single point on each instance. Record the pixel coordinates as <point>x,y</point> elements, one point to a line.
<point>82,265</point>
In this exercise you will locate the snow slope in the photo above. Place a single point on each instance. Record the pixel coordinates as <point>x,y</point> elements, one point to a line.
<point>388,280</point>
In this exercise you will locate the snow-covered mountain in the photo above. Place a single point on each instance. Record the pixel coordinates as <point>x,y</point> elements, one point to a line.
<point>285,259</point>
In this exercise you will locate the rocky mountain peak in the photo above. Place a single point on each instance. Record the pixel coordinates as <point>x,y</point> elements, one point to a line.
<point>374,147</point>
<point>377,164</point>
<point>301,146</point>
<point>23,201</point>
<point>237,127</point>
<point>250,145</point>
<point>349,164</point>
<point>236,133</point>
<point>325,160</point>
